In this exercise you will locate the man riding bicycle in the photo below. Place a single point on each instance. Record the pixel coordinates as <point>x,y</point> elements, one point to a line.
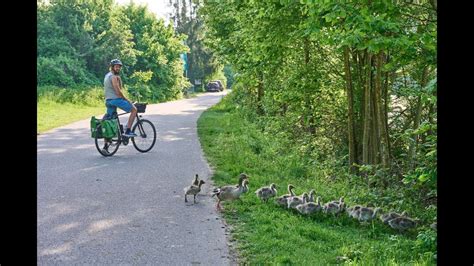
<point>114,97</point>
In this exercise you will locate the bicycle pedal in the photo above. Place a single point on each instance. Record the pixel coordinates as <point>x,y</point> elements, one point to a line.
<point>125,141</point>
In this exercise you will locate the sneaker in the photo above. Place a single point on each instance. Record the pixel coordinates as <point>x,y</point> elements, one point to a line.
<point>130,134</point>
<point>105,149</point>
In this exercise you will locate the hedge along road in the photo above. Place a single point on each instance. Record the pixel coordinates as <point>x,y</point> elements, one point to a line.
<point>129,208</point>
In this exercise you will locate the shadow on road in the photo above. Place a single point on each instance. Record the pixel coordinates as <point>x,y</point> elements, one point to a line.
<point>128,208</point>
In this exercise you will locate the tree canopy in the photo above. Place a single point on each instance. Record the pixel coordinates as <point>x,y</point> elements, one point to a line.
<point>77,39</point>
<point>353,82</point>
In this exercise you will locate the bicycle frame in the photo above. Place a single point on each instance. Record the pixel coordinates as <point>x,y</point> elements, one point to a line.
<point>140,127</point>
<point>119,139</point>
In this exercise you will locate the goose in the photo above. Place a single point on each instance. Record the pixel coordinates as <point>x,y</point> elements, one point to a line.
<point>230,192</point>
<point>193,190</point>
<point>265,193</point>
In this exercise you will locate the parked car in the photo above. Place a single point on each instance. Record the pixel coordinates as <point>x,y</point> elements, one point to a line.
<point>221,87</point>
<point>213,86</point>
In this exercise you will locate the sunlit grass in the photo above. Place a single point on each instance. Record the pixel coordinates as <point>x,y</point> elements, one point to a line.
<point>53,114</point>
<point>266,233</point>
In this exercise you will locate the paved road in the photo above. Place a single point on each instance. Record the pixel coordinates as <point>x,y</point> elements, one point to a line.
<point>128,208</point>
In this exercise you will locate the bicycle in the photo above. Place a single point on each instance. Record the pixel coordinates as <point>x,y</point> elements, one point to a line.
<point>146,133</point>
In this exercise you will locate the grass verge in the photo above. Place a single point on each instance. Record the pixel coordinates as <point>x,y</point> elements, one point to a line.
<point>266,233</point>
<point>53,114</point>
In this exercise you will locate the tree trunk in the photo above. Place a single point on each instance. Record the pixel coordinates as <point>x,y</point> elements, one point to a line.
<point>386,108</point>
<point>379,108</point>
<point>367,116</point>
<point>417,120</point>
<point>350,107</point>
<point>359,58</point>
<point>374,136</point>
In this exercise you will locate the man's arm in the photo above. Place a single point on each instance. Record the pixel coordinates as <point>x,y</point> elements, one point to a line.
<point>118,89</point>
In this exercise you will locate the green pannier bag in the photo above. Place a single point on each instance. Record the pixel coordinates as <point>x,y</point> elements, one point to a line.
<point>106,128</point>
<point>94,129</point>
<point>109,128</point>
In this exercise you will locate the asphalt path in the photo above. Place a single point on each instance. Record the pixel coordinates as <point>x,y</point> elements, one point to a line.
<point>129,208</point>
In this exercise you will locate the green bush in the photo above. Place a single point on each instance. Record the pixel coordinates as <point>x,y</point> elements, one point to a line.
<point>229,75</point>
<point>62,71</point>
<point>84,95</point>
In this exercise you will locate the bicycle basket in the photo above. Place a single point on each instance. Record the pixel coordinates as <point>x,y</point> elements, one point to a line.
<point>141,107</point>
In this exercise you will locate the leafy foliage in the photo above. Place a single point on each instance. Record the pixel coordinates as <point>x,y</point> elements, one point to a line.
<point>349,86</point>
<point>77,40</point>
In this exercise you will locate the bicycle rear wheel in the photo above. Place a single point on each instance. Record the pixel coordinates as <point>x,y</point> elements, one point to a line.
<point>107,147</point>
<point>146,135</point>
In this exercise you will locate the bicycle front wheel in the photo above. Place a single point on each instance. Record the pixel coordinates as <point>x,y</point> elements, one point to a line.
<point>107,147</point>
<point>146,135</point>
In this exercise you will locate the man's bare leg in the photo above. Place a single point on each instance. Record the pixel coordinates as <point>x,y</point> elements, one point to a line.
<point>133,113</point>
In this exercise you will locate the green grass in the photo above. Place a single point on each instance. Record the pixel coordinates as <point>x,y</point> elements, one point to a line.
<point>267,234</point>
<point>59,106</point>
<point>52,114</point>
